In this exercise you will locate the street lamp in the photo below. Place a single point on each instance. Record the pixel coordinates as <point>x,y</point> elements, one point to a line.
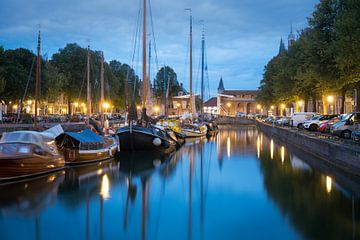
<point>178,107</point>
<point>330,100</point>
<point>228,105</point>
<point>157,109</point>
<point>282,109</point>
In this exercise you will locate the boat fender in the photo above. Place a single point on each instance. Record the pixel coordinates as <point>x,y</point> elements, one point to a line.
<point>157,142</point>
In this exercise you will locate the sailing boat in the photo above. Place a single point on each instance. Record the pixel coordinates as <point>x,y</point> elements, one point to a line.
<point>87,146</point>
<point>192,129</point>
<point>29,153</point>
<point>143,136</point>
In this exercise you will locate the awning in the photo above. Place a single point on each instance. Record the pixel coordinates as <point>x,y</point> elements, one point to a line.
<point>86,136</point>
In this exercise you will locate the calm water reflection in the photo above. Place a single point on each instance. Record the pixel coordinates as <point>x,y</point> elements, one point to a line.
<point>238,185</point>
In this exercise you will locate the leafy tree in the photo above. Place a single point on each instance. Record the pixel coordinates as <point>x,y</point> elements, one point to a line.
<point>164,75</point>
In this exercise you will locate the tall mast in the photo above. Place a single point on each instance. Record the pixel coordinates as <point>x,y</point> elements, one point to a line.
<point>144,81</point>
<point>88,100</point>
<point>37,81</point>
<point>202,70</point>
<point>191,73</point>
<point>102,89</point>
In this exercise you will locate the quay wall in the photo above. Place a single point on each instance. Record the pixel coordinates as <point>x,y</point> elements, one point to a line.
<point>339,155</point>
<point>225,120</point>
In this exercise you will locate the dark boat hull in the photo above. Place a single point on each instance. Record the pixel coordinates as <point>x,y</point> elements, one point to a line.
<point>141,139</point>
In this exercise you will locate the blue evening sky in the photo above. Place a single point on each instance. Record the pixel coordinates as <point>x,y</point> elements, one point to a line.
<point>241,35</point>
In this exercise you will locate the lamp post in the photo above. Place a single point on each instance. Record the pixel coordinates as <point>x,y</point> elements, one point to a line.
<point>330,100</point>
<point>228,105</point>
<point>282,109</point>
<point>300,103</point>
<point>178,107</point>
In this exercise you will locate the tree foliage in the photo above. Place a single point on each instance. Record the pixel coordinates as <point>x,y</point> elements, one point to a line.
<point>323,60</point>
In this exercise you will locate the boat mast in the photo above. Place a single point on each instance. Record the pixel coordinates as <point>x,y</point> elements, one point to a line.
<point>144,81</point>
<point>37,81</point>
<point>191,73</point>
<point>88,100</point>
<point>102,89</point>
<point>202,70</point>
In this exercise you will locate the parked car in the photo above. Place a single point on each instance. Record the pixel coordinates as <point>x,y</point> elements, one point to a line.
<point>240,114</point>
<point>314,123</point>
<point>325,126</point>
<point>345,127</point>
<point>356,135</point>
<point>298,118</point>
<point>251,115</point>
<point>284,121</point>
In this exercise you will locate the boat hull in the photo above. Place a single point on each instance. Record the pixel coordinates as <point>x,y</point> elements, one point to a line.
<point>22,166</point>
<point>192,134</point>
<point>75,156</point>
<point>142,140</point>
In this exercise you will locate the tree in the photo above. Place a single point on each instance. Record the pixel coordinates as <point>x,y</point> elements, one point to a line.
<point>168,74</point>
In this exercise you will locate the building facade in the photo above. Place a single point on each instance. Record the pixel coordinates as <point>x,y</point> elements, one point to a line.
<point>231,102</point>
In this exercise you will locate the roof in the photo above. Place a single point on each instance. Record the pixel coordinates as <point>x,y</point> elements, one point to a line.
<point>241,92</point>
<point>221,85</point>
<point>86,136</point>
<point>212,102</point>
<point>30,137</point>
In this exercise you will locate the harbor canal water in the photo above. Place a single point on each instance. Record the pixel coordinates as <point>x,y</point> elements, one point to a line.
<point>240,184</point>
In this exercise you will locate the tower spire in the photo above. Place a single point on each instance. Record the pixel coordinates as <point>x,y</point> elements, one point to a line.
<point>282,46</point>
<point>291,37</point>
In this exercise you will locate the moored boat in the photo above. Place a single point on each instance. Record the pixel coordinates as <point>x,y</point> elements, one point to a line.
<point>28,153</point>
<point>86,147</point>
<point>193,130</point>
<point>138,138</point>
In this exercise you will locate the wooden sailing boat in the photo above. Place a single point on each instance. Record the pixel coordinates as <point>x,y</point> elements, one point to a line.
<point>87,146</point>
<point>143,136</point>
<point>192,129</point>
<point>29,153</point>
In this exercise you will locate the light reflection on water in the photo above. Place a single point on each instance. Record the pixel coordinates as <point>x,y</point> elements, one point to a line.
<point>264,190</point>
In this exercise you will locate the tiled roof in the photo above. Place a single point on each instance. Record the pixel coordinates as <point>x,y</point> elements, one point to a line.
<point>212,102</point>
<point>241,92</point>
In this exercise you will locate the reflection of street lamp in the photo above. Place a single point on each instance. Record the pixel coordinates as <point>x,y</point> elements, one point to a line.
<point>228,105</point>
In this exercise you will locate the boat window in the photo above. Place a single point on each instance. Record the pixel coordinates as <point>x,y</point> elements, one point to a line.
<point>15,148</point>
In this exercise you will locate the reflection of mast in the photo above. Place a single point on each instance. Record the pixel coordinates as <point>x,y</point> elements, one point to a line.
<point>87,217</point>
<point>37,228</point>
<point>201,187</point>
<point>143,208</point>
<point>190,195</point>
<point>101,216</point>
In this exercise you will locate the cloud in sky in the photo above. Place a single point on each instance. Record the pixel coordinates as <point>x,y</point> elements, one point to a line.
<point>241,36</point>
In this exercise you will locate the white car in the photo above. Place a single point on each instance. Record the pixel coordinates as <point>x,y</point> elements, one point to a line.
<point>298,118</point>
<point>314,123</point>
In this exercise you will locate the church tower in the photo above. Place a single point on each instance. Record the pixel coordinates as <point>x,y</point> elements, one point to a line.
<point>291,37</point>
<point>282,47</point>
<point>221,88</point>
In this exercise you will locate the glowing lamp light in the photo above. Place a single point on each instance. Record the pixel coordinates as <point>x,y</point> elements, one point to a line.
<point>282,106</point>
<point>156,109</point>
<point>15,107</point>
<point>76,104</point>
<point>29,102</point>
<point>228,104</point>
<point>178,105</point>
<point>330,99</point>
<point>258,106</point>
<point>300,103</point>
<point>272,107</point>
<point>106,105</point>
<point>138,107</point>
<point>83,104</point>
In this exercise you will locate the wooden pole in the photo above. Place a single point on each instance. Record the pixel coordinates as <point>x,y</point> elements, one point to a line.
<point>88,93</point>
<point>102,89</point>
<point>37,82</point>
<point>144,80</point>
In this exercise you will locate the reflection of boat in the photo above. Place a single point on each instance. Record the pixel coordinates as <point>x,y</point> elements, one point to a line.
<point>30,197</point>
<point>28,153</point>
<point>86,146</point>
